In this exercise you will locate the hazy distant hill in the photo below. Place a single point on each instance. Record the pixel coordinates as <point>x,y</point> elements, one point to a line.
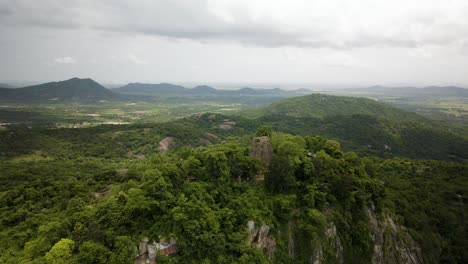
<point>146,88</point>
<point>4,85</point>
<point>413,91</point>
<point>166,88</point>
<point>364,125</point>
<point>88,90</point>
<point>70,90</point>
<point>204,89</point>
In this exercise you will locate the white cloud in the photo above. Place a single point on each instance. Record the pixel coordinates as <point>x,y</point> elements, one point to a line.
<point>419,52</point>
<point>341,59</point>
<point>135,59</point>
<point>65,60</point>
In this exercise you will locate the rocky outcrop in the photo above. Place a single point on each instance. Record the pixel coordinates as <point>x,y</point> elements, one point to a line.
<point>165,144</point>
<point>392,243</point>
<point>212,136</point>
<point>330,243</point>
<point>204,142</point>
<point>102,194</point>
<point>258,237</point>
<point>333,242</point>
<point>226,124</point>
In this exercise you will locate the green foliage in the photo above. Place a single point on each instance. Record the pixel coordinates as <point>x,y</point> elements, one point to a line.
<point>61,252</point>
<point>122,252</point>
<point>50,208</point>
<point>280,177</point>
<point>429,196</point>
<point>93,253</point>
<point>264,131</point>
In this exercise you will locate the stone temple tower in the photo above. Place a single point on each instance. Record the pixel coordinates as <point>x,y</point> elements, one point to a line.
<point>262,149</point>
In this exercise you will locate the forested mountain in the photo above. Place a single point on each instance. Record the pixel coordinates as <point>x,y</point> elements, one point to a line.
<point>363,125</point>
<point>74,89</point>
<point>322,106</point>
<point>90,195</point>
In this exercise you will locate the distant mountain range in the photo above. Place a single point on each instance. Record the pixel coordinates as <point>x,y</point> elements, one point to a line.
<point>87,90</point>
<point>155,89</point>
<point>4,85</point>
<point>413,91</point>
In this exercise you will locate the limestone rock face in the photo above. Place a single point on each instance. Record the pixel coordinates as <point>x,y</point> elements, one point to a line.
<point>165,144</point>
<point>392,244</point>
<point>258,237</point>
<point>333,241</point>
<point>262,149</point>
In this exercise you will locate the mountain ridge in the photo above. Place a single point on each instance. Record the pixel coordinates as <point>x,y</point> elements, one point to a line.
<point>364,125</point>
<point>74,89</point>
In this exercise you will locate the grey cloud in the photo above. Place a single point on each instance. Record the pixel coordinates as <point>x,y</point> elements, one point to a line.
<point>238,21</point>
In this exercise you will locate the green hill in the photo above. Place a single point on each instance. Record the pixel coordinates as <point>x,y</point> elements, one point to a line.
<point>363,125</point>
<point>320,106</point>
<point>74,89</point>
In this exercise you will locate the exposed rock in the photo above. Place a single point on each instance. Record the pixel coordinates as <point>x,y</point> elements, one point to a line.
<point>317,255</point>
<point>102,194</point>
<point>131,154</point>
<point>262,149</point>
<point>252,231</point>
<point>143,246</point>
<point>212,117</point>
<point>211,136</point>
<point>331,244</point>
<point>204,142</point>
<point>165,144</point>
<point>227,124</point>
<point>392,244</point>
<point>258,237</point>
<point>224,127</point>
<point>291,244</point>
<point>167,247</point>
<point>458,200</point>
<point>140,156</point>
<point>122,171</point>
<point>146,253</point>
<point>334,242</point>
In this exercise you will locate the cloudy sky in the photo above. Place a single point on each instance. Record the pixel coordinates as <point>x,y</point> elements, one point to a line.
<point>344,42</point>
